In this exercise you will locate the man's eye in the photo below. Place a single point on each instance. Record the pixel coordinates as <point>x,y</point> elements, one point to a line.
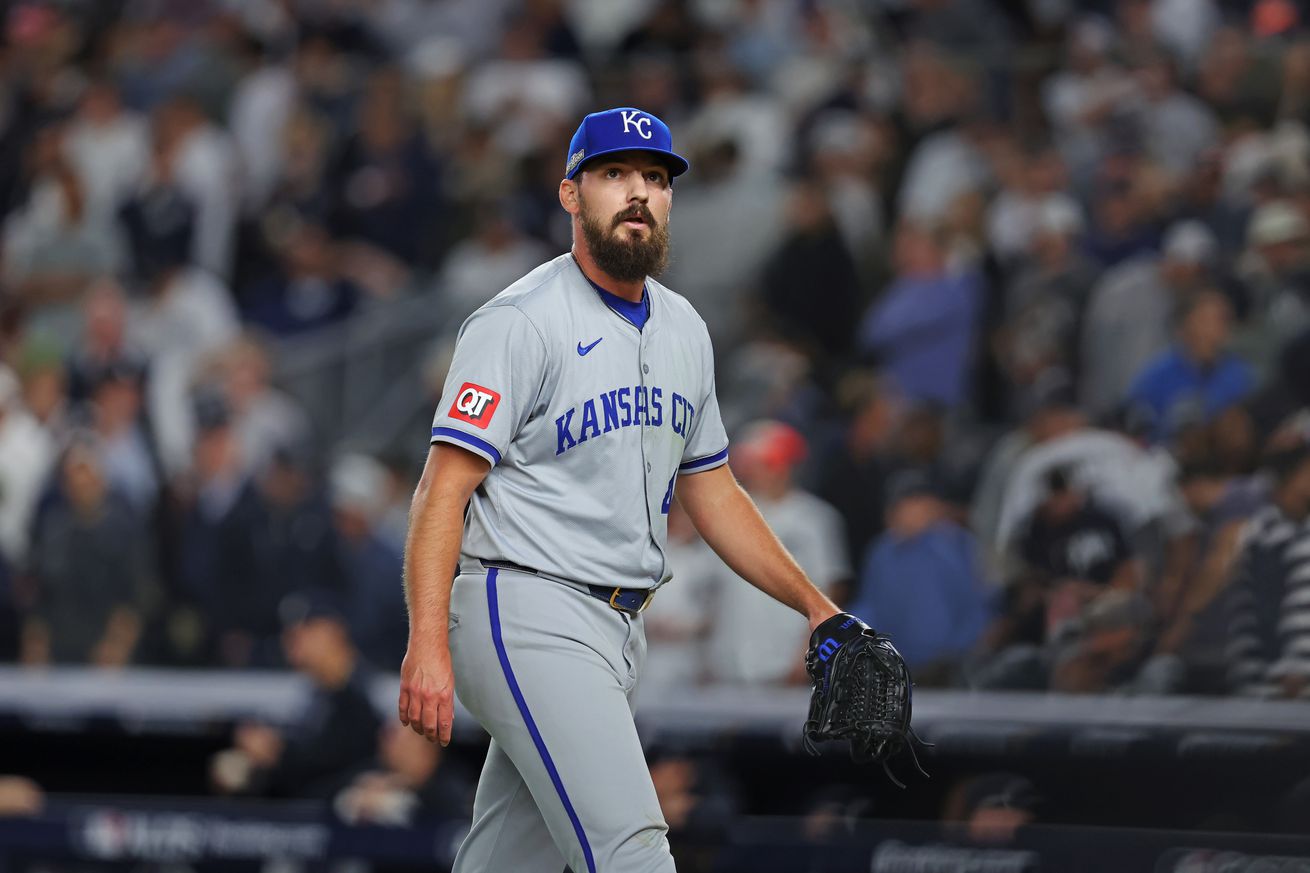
<point>611,173</point>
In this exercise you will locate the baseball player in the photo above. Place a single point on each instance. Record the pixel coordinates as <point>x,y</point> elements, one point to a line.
<point>580,402</point>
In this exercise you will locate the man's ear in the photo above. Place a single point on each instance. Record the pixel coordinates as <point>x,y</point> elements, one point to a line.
<point>568,196</point>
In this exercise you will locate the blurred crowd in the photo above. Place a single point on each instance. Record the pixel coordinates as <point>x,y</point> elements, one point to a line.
<point>1011,302</point>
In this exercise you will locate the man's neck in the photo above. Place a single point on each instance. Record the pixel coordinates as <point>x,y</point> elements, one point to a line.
<point>630,291</point>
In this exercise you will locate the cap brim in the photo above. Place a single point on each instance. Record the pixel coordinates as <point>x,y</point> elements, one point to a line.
<point>677,163</point>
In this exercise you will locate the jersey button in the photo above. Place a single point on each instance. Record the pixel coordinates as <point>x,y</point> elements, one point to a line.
<point>648,466</point>
<point>645,368</point>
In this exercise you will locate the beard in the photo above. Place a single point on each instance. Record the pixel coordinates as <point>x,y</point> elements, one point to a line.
<point>631,259</point>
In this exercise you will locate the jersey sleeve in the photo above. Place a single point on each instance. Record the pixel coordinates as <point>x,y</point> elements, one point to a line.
<point>493,383</point>
<point>707,441</point>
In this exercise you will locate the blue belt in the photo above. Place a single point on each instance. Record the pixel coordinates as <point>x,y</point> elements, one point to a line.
<point>629,600</point>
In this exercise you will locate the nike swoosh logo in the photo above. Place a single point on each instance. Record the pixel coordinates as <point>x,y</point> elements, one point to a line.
<point>582,350</point>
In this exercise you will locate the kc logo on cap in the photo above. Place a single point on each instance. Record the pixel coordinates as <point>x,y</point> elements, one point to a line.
<point>633,118</point>
<point>621,130</point>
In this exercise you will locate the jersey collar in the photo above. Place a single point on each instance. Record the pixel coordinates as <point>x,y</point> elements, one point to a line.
<point>636,314</point>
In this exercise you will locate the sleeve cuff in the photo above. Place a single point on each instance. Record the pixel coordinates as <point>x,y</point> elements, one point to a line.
<point>476,445</point>
<point>709,462</point>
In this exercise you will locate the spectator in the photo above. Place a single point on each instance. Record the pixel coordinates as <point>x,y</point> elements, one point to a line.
<point>1268,634</point>
<point>309,290</point>
<point>1071,540</point>
<point>1277,269</point>
<point>414,782</point>
<point>730,111</point>
<point>1084,97</point>
<point>852,473</point>
<point>922,329</point>
<point>753,639</point>
<point>1053,414</point>
<point>166,61</point>
<point>51,244</point>
<point>300,191</point>
<point>185,316</point>
<point>1202,198</point>
<point>1131,313</point>
<point>921,581</point>
<point>1176,127</point>
<point>336,733</point>
<point>698,804</point>
<point>104,342</point>
<point>1117,469</point>
<point>1285,392</point>
<point>1197,371</point>
<point>1291,94</point>
<point>812,254</point>
<point>1045,303</point>
<point>27,453</point>
<point>1076,619</point>
<point>677,626</point>
<point>295,546</point>
<point>371,563</point>
<point>1238,83</point>
<point>991,807</point>
<point>715,269</point>
<point>221,515</point>
<point>495,257</point>
<point>1061,559</point>
<point>947,167</point>
<point>264,417</point>
<point>186,312</point>
<point>523,92</point>
<point>20,796</point>
<point>967,27</point>
<point>1125,210</point>
<point>402,476</point>
<point>45,385</point>
<point>109,148</point>
<point>1106,649</point>
<point>262,107</point>
<point>1194,614</point>
<point>1022,209</point>
<point>670,28</point>
<point>126,447</point>
<point>90,565</point>
<point>849,152</point>
<point>769,378</point>
<point>390,192</point>
<point>1185,28</point>
<point>200,158</point>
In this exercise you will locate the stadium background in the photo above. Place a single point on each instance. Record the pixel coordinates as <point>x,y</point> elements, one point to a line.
<point>1011,302</point>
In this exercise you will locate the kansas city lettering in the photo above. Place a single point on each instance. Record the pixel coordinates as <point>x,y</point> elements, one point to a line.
<point>639,406</point>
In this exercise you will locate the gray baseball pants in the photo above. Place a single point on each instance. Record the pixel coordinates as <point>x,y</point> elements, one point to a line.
<point>550,673</point>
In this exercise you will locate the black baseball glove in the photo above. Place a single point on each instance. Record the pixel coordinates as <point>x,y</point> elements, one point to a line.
<point>862,691</point>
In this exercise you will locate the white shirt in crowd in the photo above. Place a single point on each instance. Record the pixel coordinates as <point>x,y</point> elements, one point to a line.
<point>754,639</point>
<point>180,330</point>
<point>27,454</point>
<point>679,617</point>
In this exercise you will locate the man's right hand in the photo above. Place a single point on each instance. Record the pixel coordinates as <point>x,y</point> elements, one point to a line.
<point>427,691</point>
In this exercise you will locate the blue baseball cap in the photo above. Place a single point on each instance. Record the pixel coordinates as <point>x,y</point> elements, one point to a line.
<point>621,130</point>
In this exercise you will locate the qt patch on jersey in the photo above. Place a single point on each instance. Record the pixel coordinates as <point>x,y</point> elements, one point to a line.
<point>475,404</point>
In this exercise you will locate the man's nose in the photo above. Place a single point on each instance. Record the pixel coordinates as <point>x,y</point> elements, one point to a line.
<point>637,188</point>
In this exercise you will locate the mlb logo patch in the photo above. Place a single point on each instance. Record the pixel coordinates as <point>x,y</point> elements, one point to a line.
<point>474,404</point>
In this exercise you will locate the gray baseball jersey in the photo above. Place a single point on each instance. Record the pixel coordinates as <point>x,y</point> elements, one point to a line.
<point>587,422</point>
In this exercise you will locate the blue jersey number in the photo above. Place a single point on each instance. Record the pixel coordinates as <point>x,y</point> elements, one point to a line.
<point>668,496</point>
